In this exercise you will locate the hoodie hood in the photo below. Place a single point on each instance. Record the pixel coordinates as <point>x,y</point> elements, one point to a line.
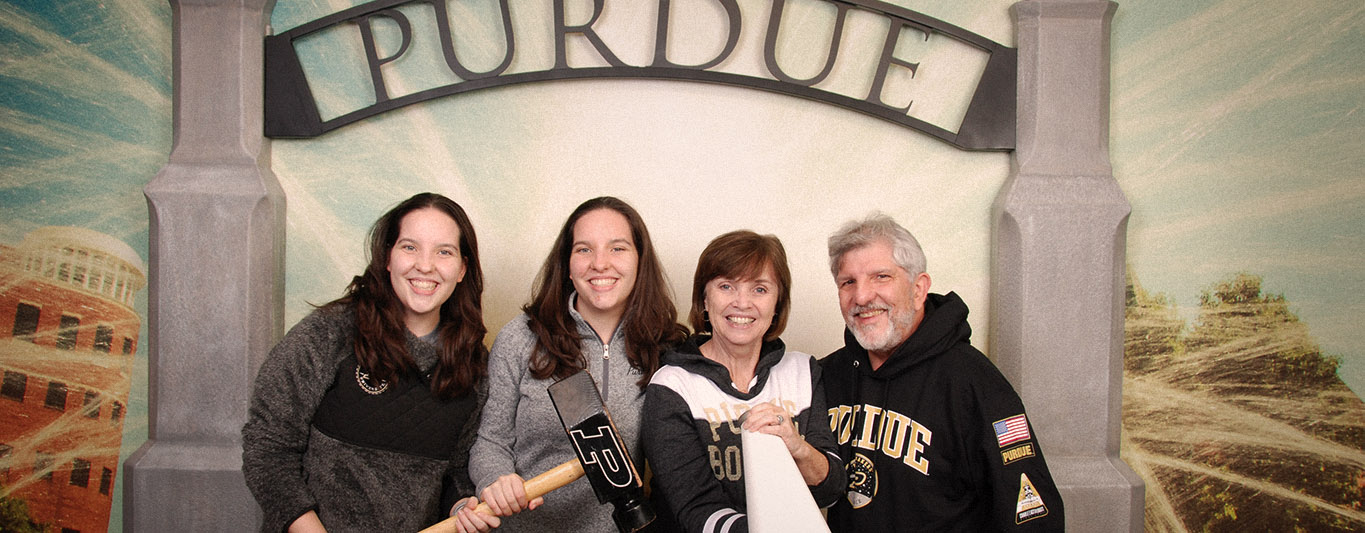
<point>944,326</point>
<point>688,357</point>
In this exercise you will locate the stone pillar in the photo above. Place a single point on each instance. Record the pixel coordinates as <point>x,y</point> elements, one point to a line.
<point>216,277</point>
<point>1058,262</point>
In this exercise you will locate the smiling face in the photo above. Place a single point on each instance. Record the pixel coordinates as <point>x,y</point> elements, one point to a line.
<point>424,266</point>
<point>881,302</point>
<point>602,264</point>
<point>741,310</point>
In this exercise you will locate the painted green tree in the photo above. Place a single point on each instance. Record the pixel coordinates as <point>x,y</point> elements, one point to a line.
<point>14,516</point>
<point>1237,421</point>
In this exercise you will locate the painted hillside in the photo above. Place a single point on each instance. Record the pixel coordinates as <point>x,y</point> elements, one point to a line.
<point>1237,421</point>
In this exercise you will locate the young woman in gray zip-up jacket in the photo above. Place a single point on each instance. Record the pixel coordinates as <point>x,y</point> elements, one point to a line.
<point>521,431</point>
<point>601,305</point>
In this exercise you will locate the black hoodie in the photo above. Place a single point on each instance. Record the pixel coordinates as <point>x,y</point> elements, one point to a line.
<point>935,439</point>
<point>692,436</point>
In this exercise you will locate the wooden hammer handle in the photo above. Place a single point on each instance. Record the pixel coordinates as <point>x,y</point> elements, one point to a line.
<point>535,487</point>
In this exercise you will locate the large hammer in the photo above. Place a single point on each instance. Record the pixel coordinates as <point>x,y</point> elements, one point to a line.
<point>602,457</point>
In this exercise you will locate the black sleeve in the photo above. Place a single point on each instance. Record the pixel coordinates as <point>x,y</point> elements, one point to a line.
<point>1023,494</point>
<point>815,428</point>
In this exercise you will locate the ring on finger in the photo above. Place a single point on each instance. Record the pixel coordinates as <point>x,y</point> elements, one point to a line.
<point>779,419</point>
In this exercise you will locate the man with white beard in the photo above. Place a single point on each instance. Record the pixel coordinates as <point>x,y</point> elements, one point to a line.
<point>933,436</point>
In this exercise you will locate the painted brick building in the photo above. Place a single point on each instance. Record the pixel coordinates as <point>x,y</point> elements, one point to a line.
<point>68,335</point>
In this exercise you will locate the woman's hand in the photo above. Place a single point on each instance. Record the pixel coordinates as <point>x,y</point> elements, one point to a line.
<point>507,496</point>
<point>773,420</point>
<point>467,520</point>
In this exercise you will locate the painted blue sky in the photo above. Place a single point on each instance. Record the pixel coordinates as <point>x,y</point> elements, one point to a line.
<point>1238,136</point>
<point>85,111</point>
<point>86,105</point>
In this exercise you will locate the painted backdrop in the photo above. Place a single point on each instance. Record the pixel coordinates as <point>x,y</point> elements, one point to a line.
<point>1236,135</point>
<point>85,110</point>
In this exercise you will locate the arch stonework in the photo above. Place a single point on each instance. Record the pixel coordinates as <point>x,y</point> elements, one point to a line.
<point>216,277</point>
<point>1058,246</point>
<point>217,268</point>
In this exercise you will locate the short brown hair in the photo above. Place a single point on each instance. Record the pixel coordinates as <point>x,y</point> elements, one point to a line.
<point>742,254</point>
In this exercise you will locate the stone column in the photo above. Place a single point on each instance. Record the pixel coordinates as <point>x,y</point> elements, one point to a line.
<point>1058,262</point>
<point>216,276</point>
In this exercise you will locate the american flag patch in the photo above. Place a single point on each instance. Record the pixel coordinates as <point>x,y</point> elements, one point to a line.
<point>1011,430</point>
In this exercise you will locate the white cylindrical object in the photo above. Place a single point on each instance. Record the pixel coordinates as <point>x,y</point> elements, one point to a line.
<point>777,498</point>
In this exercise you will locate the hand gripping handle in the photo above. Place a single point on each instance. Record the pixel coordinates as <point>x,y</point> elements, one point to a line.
<point>535,487</point>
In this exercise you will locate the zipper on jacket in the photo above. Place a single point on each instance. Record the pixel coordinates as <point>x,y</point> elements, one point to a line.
<point>606,358</point>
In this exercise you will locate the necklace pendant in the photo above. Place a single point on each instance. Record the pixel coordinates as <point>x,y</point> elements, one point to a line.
<point>363,378</point>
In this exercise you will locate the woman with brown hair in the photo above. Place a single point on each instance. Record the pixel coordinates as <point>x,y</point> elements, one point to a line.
<point>362,417</point>
<point>600,304</point>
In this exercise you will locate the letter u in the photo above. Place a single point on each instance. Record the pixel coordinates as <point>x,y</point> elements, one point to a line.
<point>770,45</point>
<point>448,42</point>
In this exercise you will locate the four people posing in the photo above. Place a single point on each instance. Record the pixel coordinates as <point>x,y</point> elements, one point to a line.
<point>382,410</point>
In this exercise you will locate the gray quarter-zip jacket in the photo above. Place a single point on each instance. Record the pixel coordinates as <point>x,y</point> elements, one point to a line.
<point>521,432</point>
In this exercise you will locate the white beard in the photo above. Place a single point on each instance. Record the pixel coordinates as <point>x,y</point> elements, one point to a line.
<point>884,339</point>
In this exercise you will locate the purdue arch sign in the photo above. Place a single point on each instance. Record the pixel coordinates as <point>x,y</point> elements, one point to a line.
<point>987,125</point>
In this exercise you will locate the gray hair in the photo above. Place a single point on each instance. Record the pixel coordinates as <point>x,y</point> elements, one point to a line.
<point>877,227</point>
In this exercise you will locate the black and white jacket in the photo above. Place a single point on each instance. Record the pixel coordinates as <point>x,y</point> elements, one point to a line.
<point>692,433</point>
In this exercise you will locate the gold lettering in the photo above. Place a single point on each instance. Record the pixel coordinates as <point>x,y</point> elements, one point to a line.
<point>713,420</point>
<point>734,463</point>
<point>867,441</point>
<point>729,417</point>
<point>1014,454</point>
<point>846,415</point>
<point>894,433</point>
<point>852,418</point>
<point>919,438</point>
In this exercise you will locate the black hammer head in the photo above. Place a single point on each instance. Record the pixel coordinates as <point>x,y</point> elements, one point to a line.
<point>605,461</point>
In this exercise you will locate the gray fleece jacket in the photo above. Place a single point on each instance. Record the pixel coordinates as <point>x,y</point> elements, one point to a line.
<point>522,433</point>
<point>315,440</point>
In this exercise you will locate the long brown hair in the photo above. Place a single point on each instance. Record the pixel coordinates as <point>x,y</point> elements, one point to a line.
<point>651,321</point>
<point>380,342</point>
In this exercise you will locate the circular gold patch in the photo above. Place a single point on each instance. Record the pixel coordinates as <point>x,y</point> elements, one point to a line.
<point>862,481</point>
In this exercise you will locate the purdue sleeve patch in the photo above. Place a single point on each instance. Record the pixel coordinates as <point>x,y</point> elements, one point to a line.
<point>1030,504</point>
<point>1016,453</point>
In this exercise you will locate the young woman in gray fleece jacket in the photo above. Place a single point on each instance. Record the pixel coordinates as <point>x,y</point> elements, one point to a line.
<point>363,415</point>
<point>601,305</point>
